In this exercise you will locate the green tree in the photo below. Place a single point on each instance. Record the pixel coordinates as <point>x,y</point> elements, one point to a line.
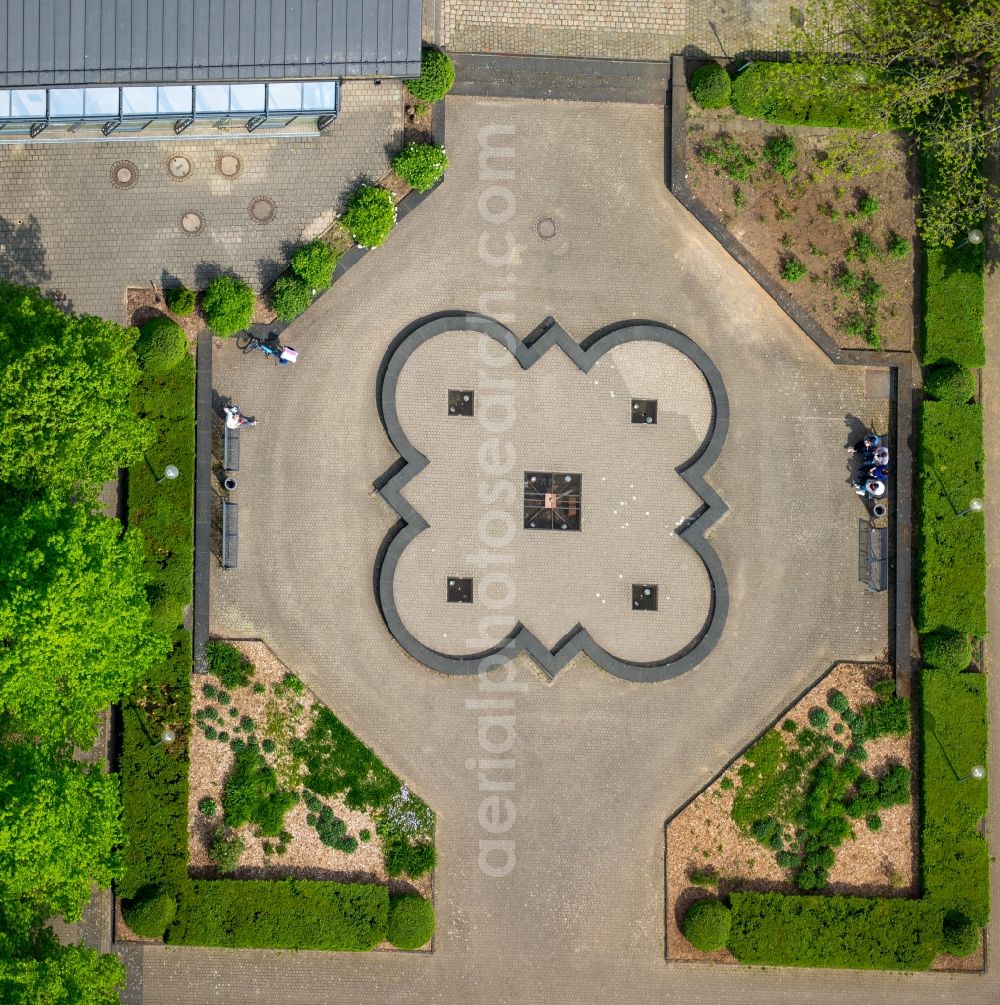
<point>65,385</point>
<point>35,969</point>
<point>59,829</point>
<point>929,65</point>
<point>74,617</point>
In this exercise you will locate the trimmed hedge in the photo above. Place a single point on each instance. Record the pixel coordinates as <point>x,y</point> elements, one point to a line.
<point>180,300</point>
<point>314,263</point>
<point>165,513</point>
<point>411,921</point>
<point>707,923</point>
<point>790,94</point>
<point>228,305</point>
<point>946,650</point>
<point>281,914</point>
<point>953,306</point>
<point>161,345</point>
<point>711,87</point>
<point>370,215</point>
<point>954,857</point>
<point>950,382</point>
<point>951,558</point>
<point>421,165</point>
<point>150,913</point>
<point>290,297</point>
<point>850,932</point>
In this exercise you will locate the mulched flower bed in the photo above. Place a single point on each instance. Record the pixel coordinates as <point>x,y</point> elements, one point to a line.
<point>836,213</point>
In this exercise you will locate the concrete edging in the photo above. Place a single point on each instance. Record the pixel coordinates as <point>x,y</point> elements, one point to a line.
<point>900,365</point>
<point>520,639</point>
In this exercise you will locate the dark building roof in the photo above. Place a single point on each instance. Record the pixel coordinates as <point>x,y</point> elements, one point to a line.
<point>51,42</point>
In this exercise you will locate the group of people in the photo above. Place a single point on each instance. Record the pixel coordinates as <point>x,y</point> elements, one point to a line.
<point>873,477</point>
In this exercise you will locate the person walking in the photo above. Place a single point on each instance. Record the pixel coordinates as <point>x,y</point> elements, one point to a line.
<point>234,419</point>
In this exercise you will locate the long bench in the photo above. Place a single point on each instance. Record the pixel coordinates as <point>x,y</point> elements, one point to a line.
<point>878,559</point>
<point>230,534</point>
<point>231,449</point>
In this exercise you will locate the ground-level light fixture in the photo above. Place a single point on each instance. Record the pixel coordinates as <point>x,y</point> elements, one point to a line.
<point>170,472</point>
<point>978,772</point>
<point>167,736</point>
<point>975,506</point>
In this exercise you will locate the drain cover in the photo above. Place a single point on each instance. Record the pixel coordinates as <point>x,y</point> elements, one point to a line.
<point>261,209</point>
<point>192,223</point>
<point>124,174</point>
<point>228,165</point>
<point>178,167</point>
<point>546,228</point>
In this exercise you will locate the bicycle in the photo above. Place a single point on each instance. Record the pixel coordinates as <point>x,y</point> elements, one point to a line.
<point>281,355</point>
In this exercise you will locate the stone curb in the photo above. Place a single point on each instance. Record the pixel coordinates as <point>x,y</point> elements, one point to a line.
<point>900,365</point>
<point>548,336</point>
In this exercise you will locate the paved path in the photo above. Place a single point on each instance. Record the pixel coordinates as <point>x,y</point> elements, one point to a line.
<point>598,765</point>
<point>64,227</point>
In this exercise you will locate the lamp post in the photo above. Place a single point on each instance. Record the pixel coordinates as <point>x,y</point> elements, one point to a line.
<point>975,506</point>
<point>977,772</point>
<point>168,736</point>
<point>170,472</point>
<point>974,237</point>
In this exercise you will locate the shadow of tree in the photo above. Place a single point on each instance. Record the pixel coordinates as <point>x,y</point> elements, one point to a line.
<point>22,253</point>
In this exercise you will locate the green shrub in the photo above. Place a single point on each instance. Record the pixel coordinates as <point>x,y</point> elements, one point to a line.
<point>960,936</point>
<point>779,152</point>
<point>950,382</point>
<point>954,858</point>
<point>729,156</point>
<point>706,924</point>
<point>947,650</point>
<point>437,77</point>
<point>771,929</point>
<point>789,725</point>
<point>259,688</point>
<point>290,297</point>
<point>953,306</point>
<point>415,860</point>
<point>209,691</point>
<point>704,877</point>
<point>180,300</point>
<point>207,806</point>
<point>792,94</point>
<point>894,787</point>
<point>252,795</point>
<point>885,688</point>
<point>228,305</point>
<point>314,263</point>
<point>370,215</point>
<point>871,293</point>
<point>364,834</point>
<point>873,823</point>
<point>898,247</point>
<point>411,921</point>
<point>149,914</point>
<point>889,717</point>
<point>838,702</point>
<point>847,281</point>
<point>711,86</point>
<point>868,206</point>
<point>226,849</point>
<point>792,270</point>
<point>227,663</point>
<point>332,830</point>
<point>951,547</point>
<point>161,345</point>
<point>863,249</point>
<point>268,746</point>
<point>284,914</point>
<point>819,718</point>
<point>420,165</point>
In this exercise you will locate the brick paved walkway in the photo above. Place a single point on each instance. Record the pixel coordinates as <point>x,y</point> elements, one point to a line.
<point>65,227</point>
<point>598,765</point>
<point>610,29</point>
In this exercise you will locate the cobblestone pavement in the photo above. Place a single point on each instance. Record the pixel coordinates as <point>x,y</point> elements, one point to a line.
<point>65,227</point>
<point>612,29</point>
<point>596,765</point>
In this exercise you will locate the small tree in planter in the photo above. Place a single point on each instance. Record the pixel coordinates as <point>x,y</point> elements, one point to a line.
<point>711,86</point>
<point>370,216</point>
<point>228,305</point>
<point>149,914</point>
<point>161,345</point>
<point>180,301</point>
<point>411,921</point>
<point>437,77</point>
<point>706,924</point>
<point>420,165</point>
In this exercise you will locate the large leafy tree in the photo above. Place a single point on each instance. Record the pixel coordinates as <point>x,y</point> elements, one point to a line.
<point>36,970</point>
<point>74,618</point>
<point>932,64</point>
<point>65,386</point>
<point>59,830</point>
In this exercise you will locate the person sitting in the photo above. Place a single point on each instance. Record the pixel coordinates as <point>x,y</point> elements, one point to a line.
<point>881,455</point>
<point>234,419</point>
<point>874,488</point>
<point>878,471</point>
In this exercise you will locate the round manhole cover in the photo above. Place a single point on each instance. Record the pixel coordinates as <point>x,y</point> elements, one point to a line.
<point>262,209</point>
<point>178,167</point>
<point>124,174</point>
<point>192,223</point>
<point>546,228</point>
<point>228,165</point>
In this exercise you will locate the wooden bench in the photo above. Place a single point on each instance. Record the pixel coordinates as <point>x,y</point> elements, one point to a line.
<point>878,560</point>
<point>230,534</point>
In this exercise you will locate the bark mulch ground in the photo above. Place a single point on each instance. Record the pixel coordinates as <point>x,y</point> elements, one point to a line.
<point>812,215</point>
